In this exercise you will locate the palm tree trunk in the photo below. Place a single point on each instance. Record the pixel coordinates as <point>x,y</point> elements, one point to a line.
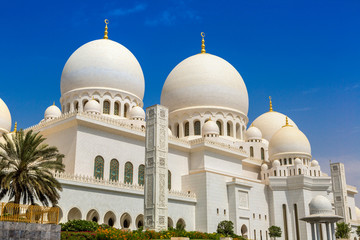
<point>17,198</point>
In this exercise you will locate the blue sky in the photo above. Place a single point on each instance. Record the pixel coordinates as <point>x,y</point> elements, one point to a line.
<point>305,54</point>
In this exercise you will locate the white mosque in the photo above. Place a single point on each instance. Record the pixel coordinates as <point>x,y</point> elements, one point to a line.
<point>218,168</point>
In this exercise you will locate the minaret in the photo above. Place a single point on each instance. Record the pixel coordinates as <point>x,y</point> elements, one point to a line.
<point>339,188</point>
<point>156,169</point>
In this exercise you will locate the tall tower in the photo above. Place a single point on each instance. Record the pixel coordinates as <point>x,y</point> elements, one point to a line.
<point>156,169</point>
<point>340,190</point>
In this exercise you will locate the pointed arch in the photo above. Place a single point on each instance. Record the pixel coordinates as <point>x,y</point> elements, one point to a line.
<point>187,129</point>
<point>197,127</point>
<point>99,167</point>
<point>262,154</point>
<point>106,107</point>
<point>251,151</point>
<point>114,170</point>
<point>128,176</point>
<point>116,108</point>
<point>220,127</point>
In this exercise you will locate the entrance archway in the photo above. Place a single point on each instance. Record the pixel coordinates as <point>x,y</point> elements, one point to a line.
<point>244,231</point>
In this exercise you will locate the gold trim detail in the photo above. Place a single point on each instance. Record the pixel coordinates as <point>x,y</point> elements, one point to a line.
<point>271,108</point>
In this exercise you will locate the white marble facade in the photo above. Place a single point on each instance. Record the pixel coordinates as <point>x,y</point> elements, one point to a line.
<point>221,167</point>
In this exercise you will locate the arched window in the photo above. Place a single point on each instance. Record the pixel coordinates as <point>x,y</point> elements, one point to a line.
<point>350,214</point>
<point>128,176</point>
<point>116,108</point>
<point>238,131</point>
<point>177,130</point>
<point>114,170</point>
<point>228,128</point>
<point>251,151</point>
<point>296,222</point>
<point>285,161</point>
<point>220,127</point>
<point>125,110</point>
<point>169,179</point>
<point>106,107</point>
<point>197,128</point>
<point>141,174</point>
<point>262,154</point>
<point>186,129</point>
<point>76,106</point>
<point>290,161</point>
<point>99,167</point>
<point>299,170</point>
<point>285,222</point>
<point>84,103</point>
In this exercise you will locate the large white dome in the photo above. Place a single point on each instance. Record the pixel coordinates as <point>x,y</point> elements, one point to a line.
<point>5,118</point>
<point>270,122</point>
<point>289,140</point>
<point>103,64</point>
<point>205,81</point>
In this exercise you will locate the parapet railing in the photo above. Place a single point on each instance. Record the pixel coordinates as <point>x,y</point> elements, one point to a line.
<point>105,119</point>
<point>118,184</point>
<point>13,212</point>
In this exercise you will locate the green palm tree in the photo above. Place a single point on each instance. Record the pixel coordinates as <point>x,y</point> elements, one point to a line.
<point>27,167</point>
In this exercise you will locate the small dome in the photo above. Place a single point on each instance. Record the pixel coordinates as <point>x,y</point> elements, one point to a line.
<point>169,132</point>
<point>5,118</point>
<point>320,205</point>
<point>52,112</point>
<point>264,167</point>
<point>276,163</point>
<point>298,161</point>
<point>92,106</point>
<point>289,140</point>
<point>103,64</point>
<point>137,113</point>
<point>210,127</point>
<point>253,133</point>
<point>314,163</point>
<point>205,81</point>
<point>270,122</point>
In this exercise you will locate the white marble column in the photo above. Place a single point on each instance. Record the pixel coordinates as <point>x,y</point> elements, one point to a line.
<point>313,231</point>
<point>333,231</point>
<point>327,231</point>
<point>156,169</point>
<point>318,231</point>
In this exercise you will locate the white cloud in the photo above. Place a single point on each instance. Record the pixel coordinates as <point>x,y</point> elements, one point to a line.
<point>126,11</point>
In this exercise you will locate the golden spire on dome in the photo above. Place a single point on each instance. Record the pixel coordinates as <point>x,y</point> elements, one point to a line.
<point>203,43</point>
<point>15,127</point>
<point>106,29</point>
<point>271,108</point>
<point>287,123</point>
<point>54,103</point>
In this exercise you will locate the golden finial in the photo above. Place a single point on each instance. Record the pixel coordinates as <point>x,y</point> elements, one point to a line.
<point>203,43</point>
<point>271,109</point>
<point>15,127</point>
<point>54,103</point>
<point>287,122</point>
<point>92,98</point>
<point>106,29</point>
